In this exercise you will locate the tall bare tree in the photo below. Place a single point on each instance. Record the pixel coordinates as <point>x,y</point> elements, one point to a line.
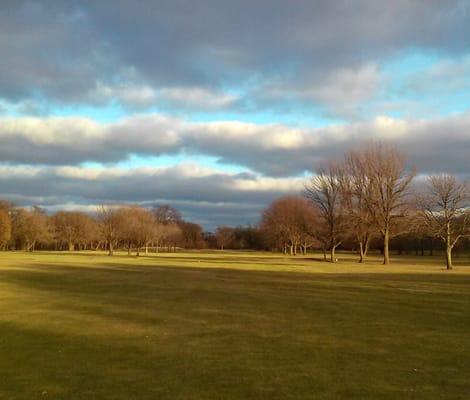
<point>445,210</point>
<point>386,182</point>
<point>353,182</point>
<point>325,191</point>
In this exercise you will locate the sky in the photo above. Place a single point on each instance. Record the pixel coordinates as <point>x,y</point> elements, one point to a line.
<point>217,107</point>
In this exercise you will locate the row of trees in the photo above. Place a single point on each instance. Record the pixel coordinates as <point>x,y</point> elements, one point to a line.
<point>368,195</point>
<point>133,228</point>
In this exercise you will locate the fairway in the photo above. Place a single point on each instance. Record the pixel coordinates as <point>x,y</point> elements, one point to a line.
<point>219,325</point>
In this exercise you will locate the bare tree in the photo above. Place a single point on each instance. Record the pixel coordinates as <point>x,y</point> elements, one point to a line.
<point>309,223</point>
<point>89,233</point>
<point>30,227</point>
<point>5,228</point>
<point>186,233</point>
<point>111,225</point>
<point>72,228</point>
<point>170,227</point>
<point>6,206</point>
<point>445,210</point>
<point>190,235</point>
<point>325,192</point>
<point>128,228</point>
<point>144,225</point>
<point>386,183</point>
<point>224,236</point>
<point>159,232</point>
<point>353,183</point>
<point>285,223</point>
<point>166,214</point>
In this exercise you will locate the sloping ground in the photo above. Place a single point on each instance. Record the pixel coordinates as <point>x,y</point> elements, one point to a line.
<point>231,326</point>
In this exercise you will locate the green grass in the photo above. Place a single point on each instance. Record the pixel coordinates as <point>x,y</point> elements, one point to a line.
<point>232,326</point>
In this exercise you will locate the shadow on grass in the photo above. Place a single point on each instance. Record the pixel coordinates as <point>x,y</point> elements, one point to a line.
<point>115,331</point>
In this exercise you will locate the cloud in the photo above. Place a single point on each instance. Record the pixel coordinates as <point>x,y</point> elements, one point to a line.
<point>204,195</point>
<point>270,149</point>
<point>214,63</point>
<point>447,76</point>
<point>194,98</point>
<point>130,95</point>
<point>340,91</point>
<point>71,140</point>
<point>158,52</point>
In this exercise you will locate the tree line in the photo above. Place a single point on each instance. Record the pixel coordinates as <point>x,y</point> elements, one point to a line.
<point>130,227</point>
<point>366,199</point>
<point>367,196</point>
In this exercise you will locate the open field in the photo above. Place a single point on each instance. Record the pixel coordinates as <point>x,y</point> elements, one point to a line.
<point>232,326</point>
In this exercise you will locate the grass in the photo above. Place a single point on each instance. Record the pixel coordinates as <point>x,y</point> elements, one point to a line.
<point>232,326</point>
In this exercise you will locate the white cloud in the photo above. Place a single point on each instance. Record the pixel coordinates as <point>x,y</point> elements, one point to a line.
<point>340,90</point>
<point>269,149</point>
<point>141,96</point>
<point>346,86</point>
<point>196,98</point>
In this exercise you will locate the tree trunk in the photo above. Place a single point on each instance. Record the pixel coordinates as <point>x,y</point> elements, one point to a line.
<point>71,246</point>
<point>332,254</point>
<point>110,251</point>
<point>448,246</point>
<point>146,249</point>
<point>448,257</point>
<point>386,248</point>
<point>366,246</point>
<point>363,248</point>
<point>361,252</point>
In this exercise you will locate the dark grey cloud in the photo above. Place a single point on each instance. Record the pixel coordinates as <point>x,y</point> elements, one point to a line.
<point>48,50</point>
<point>204,195</point>
<point>68,51</point>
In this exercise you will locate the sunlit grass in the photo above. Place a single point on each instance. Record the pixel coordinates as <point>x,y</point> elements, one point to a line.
<point>228,325</point>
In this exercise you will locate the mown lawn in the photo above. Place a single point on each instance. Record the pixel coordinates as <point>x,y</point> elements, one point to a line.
<point>231,326</point>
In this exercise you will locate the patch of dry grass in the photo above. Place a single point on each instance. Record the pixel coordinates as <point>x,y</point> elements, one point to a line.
<point>230,325</point>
